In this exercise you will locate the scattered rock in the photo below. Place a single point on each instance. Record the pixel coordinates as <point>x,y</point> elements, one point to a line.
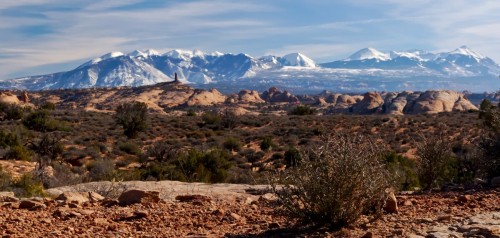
<point>268,197</point>
<point>465,198</point>
<point>80,197</point>
<point>391,204</point>
<point>31,205</point>
<point>138,196</point>
<point>193,198</point>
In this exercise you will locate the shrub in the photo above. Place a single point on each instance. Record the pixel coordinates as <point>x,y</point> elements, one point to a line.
<point>162,151</point>
<point>41,121</point>
<point>102,170</point>
<point>232,144</point>
<point>133,117</point>
<point>190,113</point>
<point>8,139</point>
<point>11,111</point>
<point>211,118</point>
<point>48,106</point>
<point>267,143</point>
<point>130,147</point>
<point>489,142</point>
<point>28,186</point>
<point>292,157</point>
<point>18,152</point>
<point>198,166</point>
<point>435,162</point>
<point>5,180</point>
<point>340,179</point>
<point>302,110</point>
<point>404,170</point>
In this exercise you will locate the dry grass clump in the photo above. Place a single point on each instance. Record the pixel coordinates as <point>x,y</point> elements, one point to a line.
<point>339,179</point>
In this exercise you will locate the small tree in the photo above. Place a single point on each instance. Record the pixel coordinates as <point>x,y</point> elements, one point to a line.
<point>133,117</point>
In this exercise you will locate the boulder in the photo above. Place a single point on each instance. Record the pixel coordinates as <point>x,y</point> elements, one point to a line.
<point>372,102</point>
<point>138,196</point>
<point>441,101</point>
<point>391,204</point>
<point>8,197</point>
<point>80,197</point>
<point>274,95</point>
<point>31,205</point>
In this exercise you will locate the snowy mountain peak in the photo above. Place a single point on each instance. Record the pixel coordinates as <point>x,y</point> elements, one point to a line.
<point>107,56</point>
<point>185,54</point>
<point>151,52</point>
<point>464,50</point>
<point>369,53</point>
<point>298,59</point>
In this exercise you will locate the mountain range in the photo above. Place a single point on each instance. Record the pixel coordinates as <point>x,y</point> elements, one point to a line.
<point>366,70</point>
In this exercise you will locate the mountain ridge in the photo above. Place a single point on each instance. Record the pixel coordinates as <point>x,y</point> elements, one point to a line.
<point>366,70</point>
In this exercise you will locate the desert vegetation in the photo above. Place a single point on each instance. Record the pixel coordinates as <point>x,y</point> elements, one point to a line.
<point>327,170</point>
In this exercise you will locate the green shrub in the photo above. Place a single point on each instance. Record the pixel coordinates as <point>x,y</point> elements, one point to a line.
<point>337,181</point>
<point>48,106</point>
<point>302,110</point>
<point>19,152</point>
<point>292,157</point>
<point>190,113</point>
<point>232,144</point>
<point>8,139</point>
<point>11,111</point>
<point>435,162</point>
<point>267,143</point>
<point>5,180</point>
<point>28,186</point>
<point>403,170</point>
<point>489,141</point>
<point>211,118</point>
<point>101,170</point>
<point>198,166</point>
<point>41,121</point>
<point>133,117</point>
<point>130,147</point>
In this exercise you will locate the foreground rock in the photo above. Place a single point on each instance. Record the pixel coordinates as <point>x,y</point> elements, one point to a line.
<point>138,196</point>
<point>218,210</point>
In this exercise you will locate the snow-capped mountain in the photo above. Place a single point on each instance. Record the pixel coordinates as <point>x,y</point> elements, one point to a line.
<point>368,54</point>
<point>366,70</point>
<point>297,59</point>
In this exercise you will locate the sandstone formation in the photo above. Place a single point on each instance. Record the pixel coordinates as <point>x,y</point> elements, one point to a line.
<point>206,98</point>
<point>10,98</point>
<point>372,103</point>
<point>441,101</point>
<point>274,95</point>
<point>246,96</point>
<point>176,95</point>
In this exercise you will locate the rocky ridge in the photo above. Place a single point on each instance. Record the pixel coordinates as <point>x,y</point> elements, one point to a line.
<point>174,95</point>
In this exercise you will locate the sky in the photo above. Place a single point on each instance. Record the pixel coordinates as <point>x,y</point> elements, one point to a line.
<point>47,36</point>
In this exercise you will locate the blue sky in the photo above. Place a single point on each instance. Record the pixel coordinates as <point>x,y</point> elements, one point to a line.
<point>44,36</point>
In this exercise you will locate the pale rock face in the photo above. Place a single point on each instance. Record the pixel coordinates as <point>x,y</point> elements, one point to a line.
<point>9,98</point>
<point>441,101</point>
<point>372,102</point>
<point>205,98</point>
<point>249,96</point>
